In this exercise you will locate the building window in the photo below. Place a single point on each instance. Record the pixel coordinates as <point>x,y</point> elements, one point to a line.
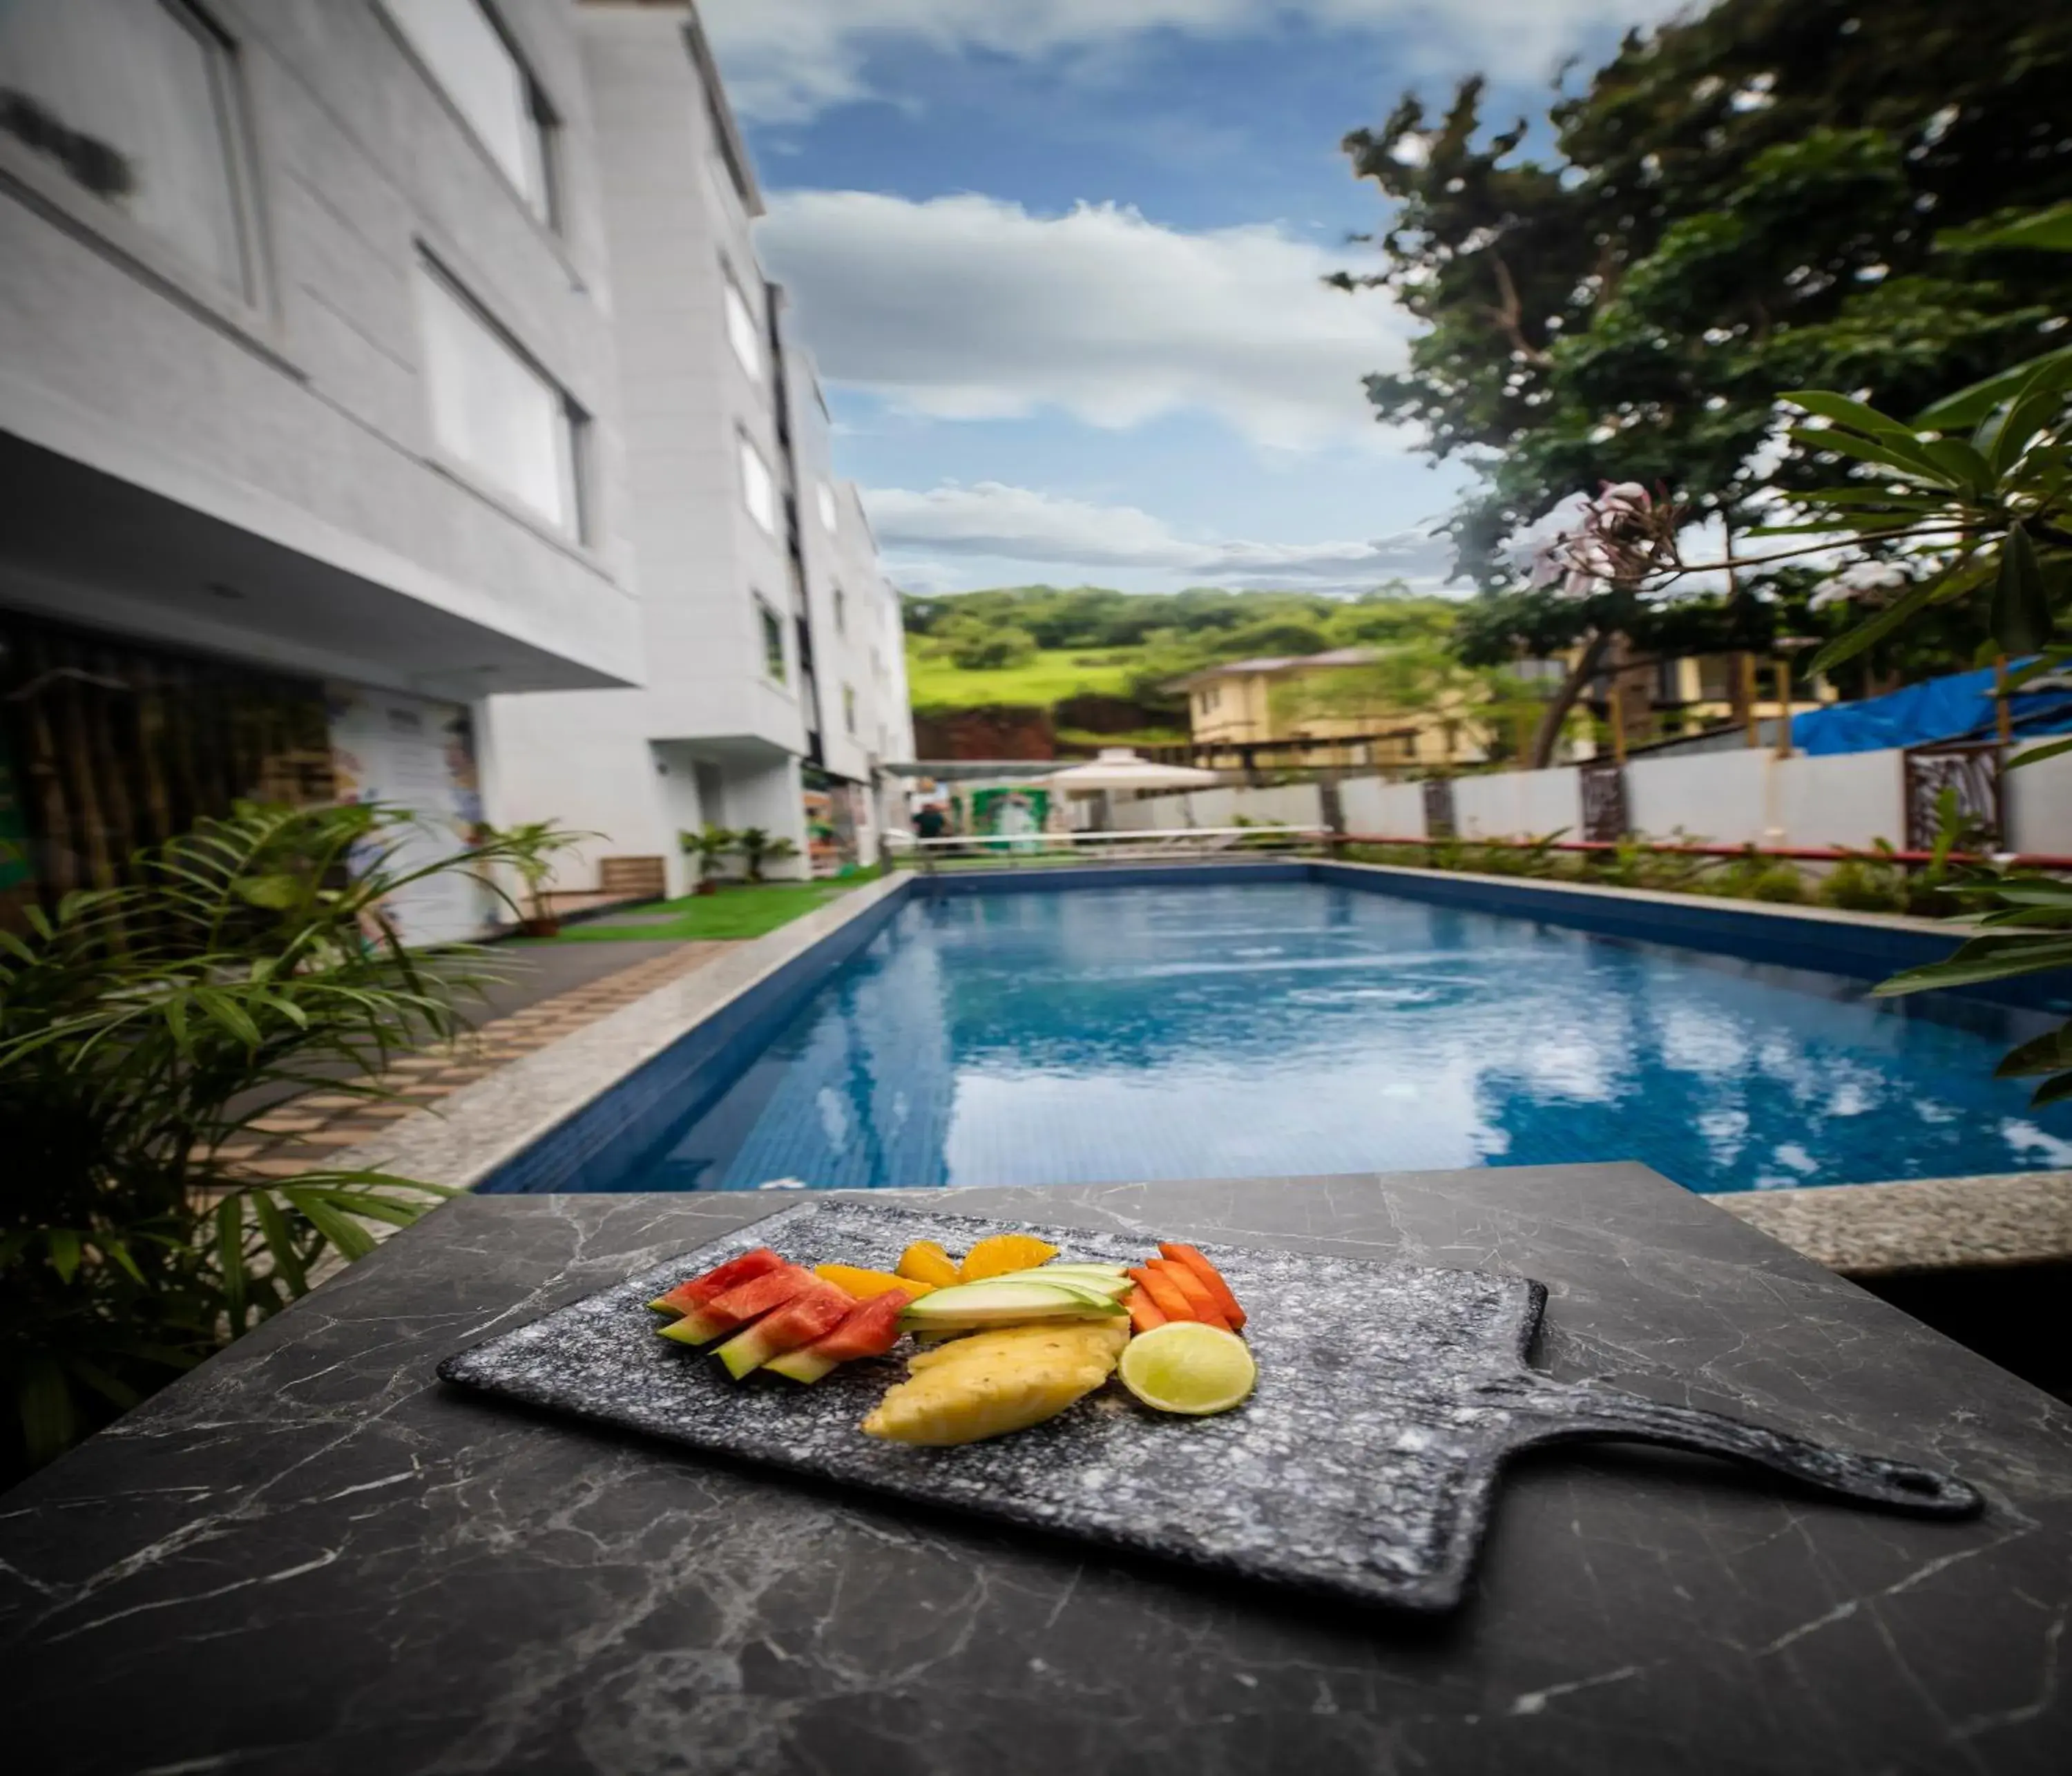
<point>848,707</point>
<point>841,612</point>
<point>830,514</point>
<point>137,102</point>
<point>742,332</point>
<point>480,72</point>
<point>773,642</point>
<point>758,492</point>
<point>494,410</point>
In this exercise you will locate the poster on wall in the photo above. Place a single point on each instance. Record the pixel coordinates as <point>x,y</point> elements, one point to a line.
<point>1012,818</point>
<point>409,752</point>
<point>822,851</point>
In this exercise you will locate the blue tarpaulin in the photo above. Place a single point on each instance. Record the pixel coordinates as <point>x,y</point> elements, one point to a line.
<point>1959,707</point>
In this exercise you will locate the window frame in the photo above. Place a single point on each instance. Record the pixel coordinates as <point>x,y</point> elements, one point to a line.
<point>755,368</point>
<point>747,448</point>
<point>248,312</point>
<point>840,601</point>
<point>573,448</point>
<point>776,657</point>
<point>849,710</point>
<point>541,114</point>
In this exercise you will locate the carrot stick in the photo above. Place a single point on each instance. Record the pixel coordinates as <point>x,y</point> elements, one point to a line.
<point>1164,1296</point>
<point>1212,1279</point>
<point>1143,1312</point>
<point>1189,1285</point>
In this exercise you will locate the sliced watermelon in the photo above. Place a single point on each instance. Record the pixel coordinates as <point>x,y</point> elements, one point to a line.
<point>689,1298</point>
<point>870,1330</point>
<point>803,1320</point>
<point>742,1303</point>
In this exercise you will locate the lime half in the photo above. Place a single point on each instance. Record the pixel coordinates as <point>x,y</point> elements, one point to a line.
<point>1185,1367</point>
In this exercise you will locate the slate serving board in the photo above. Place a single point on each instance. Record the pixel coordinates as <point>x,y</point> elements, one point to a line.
<point>1363,1466</point>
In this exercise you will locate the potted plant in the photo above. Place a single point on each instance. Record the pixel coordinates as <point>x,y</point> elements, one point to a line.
<point>531,850</point>
<point>757,847</point>
<point>761,847</point>
<point>705,848</point>
<point>141,1029</point>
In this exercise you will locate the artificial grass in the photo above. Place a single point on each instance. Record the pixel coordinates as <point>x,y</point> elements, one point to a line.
<point>739,910</point>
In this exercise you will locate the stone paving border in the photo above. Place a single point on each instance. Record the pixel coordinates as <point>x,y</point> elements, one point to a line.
<point>320,1128</point>
<point>1917,1225</point>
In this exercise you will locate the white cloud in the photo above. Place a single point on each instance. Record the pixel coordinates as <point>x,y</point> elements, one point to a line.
<point>970,307</point>
<point>789,60</point>
<point>1068,537</point>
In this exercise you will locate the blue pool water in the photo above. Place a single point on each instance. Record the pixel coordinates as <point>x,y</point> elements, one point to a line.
<point>1274,1028</point>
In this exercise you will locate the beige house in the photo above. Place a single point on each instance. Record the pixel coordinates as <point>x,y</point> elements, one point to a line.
<point>1316,710</point>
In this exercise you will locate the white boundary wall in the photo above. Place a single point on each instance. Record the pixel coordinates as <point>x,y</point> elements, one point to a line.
<point>1519,805</point>
<point>1373,805</point>
<point>1287,804</point>
<point>1746,797</point>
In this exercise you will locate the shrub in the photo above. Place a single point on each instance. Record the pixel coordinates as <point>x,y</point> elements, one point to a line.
<point>141,1028</point>
<point>1859,887</point>
<point>1779,882</point>
<point>976,650</point>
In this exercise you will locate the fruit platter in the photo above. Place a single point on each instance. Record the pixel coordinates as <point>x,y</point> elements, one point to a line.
<point>1332,1424</point>
<point>1011,1335</point>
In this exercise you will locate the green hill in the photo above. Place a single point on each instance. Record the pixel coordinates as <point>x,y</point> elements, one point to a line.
<point>1047,677</point>
<point>1039,646</point>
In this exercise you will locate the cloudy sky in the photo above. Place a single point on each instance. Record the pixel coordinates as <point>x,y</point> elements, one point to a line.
<point>1060,262</point>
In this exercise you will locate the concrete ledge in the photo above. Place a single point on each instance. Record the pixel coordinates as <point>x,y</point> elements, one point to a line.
<point>1918,1224</point>
<point>530,1112</point>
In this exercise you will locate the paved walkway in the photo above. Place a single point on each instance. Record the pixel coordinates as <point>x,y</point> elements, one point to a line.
<point>311,1131</point>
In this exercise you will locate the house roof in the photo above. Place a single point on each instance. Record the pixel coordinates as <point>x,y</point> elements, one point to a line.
<point>1281,663</point>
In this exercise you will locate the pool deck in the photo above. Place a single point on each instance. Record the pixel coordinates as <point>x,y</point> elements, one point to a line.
<point>311,1557</point>
<point>1867,1229</point>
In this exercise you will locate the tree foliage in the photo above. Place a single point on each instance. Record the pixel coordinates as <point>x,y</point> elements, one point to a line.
<point>1737,203</point>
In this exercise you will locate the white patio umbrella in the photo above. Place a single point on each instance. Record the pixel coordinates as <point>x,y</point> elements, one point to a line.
<point>1118,767</point>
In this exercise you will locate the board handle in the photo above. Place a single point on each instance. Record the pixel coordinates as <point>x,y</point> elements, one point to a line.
<point>1611,1414</point>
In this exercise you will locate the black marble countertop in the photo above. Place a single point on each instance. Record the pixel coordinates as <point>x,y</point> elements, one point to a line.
<point>311,1557</point>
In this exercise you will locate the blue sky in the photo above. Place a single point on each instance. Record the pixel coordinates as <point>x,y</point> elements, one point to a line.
<point>1059,262</point>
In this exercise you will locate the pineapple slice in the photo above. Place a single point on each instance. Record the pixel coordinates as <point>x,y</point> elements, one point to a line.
<point>993,1383</point>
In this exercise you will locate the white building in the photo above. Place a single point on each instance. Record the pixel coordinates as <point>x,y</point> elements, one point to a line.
<point>309,427</point>
<point>762,602</point>
<point>316,448</point>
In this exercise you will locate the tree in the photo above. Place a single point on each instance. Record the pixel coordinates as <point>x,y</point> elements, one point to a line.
<point>1738,204</point>
<point>978,649</point>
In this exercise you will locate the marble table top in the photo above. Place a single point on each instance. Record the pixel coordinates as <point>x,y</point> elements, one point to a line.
<point>311,1557</point>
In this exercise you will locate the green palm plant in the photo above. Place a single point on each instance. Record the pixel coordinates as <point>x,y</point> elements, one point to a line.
<point>141,1028</point>
<point>530,850</point>
<point>706,847</point>
<point>758,847</point>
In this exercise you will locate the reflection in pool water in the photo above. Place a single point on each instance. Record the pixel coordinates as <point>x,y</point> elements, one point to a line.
<point>1263,1029</point>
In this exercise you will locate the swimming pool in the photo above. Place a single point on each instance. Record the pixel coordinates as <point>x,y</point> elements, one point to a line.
<point>1240,1028</point>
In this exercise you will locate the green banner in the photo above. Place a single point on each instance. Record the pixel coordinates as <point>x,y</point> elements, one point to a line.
<point>1011,819</point>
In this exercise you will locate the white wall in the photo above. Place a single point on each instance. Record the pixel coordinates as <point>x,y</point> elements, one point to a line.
<point>1286,805</point>
<point>1375,806</point>
<point>583,759</point>
<point>2039,806</point>
<point>1520,804</point>
<point>1847,801</point>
